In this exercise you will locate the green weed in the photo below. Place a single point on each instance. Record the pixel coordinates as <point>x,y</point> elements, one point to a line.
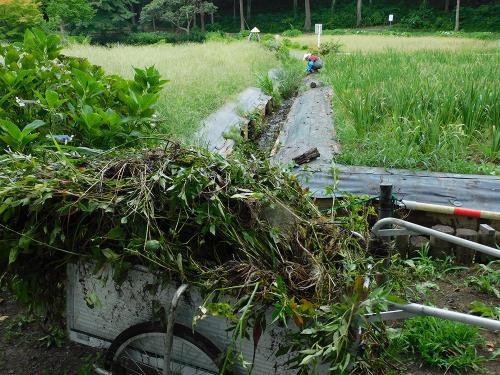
<point>487,279</point>
<point>54,338</point>
<point>441,343</point>
<point>16,327</point>
<point>481,309</point>
<point>289,78</point>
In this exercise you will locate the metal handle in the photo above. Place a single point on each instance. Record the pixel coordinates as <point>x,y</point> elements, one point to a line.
<point>413,309</point>
<point>411,228</point>
<point>169,337</point>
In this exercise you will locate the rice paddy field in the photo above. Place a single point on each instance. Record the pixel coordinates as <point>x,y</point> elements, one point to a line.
<point>381,43</point>
<point>201,76</point>
<point>414,108</point>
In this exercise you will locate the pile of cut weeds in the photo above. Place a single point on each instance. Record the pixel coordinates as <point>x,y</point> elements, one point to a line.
<point>239,225</point>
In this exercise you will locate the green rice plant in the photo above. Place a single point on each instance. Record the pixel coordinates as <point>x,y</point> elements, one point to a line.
<point>418,110</point>
<point>441,343</point>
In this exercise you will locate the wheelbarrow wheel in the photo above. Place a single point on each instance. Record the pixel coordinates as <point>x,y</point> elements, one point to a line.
<point>140,350</point>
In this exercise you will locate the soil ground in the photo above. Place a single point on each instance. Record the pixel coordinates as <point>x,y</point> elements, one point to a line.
<point>23,353</point>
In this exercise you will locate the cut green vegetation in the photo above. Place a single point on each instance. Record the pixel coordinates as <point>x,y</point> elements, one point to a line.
<point>201,76</point>
<point>427,110</point>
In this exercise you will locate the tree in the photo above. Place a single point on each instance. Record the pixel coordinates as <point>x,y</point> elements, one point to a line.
<point>307,21</point>
<point>203,8</point>
<point>295,7</point>
<point>457,16</point>
<point>446,6</point>
<point>332,7</point>
<point>358,12</point>
<point>152,12</point>
<point>112,15</point>
<point>249,9</point>
<point>16,16</point>
<point>180,13</point>
<point>242,17</point>
<point>69,14</point>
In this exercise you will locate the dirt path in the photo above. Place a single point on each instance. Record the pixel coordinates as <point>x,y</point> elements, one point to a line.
<point>24,352</point>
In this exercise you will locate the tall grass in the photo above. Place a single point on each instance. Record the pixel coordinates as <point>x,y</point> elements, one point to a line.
<point>202,76</point>
<point>419,110</point>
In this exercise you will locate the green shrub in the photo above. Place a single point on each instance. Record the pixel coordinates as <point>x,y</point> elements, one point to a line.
<point>217,36</point>
<point>291,33</point>
<point>145,38</point>
<point>330,47</point>
<point>16,16</point>
<point>44,93</point>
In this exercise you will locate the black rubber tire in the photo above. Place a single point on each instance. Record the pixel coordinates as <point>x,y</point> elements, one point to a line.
<point>183,332</point>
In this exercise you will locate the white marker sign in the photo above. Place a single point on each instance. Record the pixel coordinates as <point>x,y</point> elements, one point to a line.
<point>391,17</point>
<point>318,28</point>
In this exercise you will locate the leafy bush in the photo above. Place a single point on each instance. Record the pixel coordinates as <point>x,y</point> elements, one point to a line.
<point>44,93</point>
<point>16,16</point>
<point>291,33</point>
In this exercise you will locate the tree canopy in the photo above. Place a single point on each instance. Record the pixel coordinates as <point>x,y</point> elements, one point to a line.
<point>110,20</point>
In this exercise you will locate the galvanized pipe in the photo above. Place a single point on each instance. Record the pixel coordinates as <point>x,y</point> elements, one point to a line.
<point>417,309</point>
<point>379,225</point>
<point>169,337</point>
<point>449,210</point>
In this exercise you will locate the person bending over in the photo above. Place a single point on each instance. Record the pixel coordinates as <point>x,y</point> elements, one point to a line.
<point>314,63</point>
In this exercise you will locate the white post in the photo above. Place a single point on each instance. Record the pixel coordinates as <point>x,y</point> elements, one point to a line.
<point>318,28</point>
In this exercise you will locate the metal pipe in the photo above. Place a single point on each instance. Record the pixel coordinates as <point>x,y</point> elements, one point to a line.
<point>169,337</point>
<point>385,208</point>
<point>449,210</point>
<point>417,309</point>
<point>379,225</point>
<point>100,371</point>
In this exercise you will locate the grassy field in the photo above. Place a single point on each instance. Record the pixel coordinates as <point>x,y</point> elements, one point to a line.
<point>432,110</point>
<point>380,43</point>
<point>202,76</point>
